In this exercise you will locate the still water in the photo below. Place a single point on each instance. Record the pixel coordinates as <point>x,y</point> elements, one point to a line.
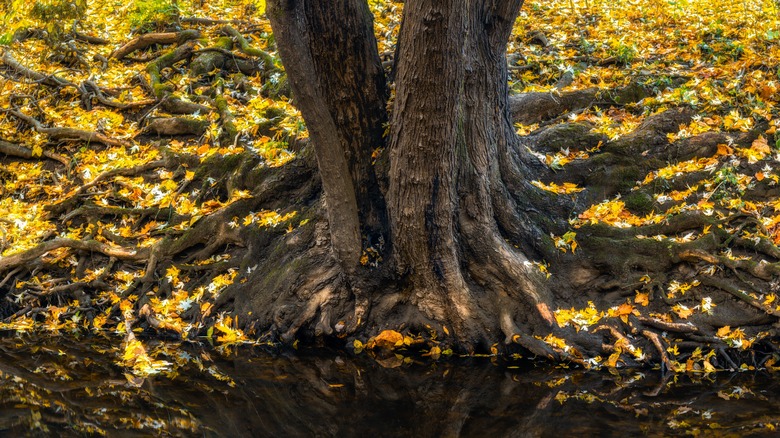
<point>72,387</point>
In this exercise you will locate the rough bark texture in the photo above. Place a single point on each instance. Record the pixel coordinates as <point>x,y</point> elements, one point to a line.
<point>294,33</point>
<point>435,228</point>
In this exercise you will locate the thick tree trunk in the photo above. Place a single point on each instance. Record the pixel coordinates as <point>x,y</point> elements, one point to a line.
<point>452,145</point>
<point>422,200</point>
<point>454,158</point>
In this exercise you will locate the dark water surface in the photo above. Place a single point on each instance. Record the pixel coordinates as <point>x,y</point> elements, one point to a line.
<point>67,387</point>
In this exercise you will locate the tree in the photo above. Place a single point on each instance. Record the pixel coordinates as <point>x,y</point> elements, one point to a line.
<point>452,194</point>
<point>437,219</point>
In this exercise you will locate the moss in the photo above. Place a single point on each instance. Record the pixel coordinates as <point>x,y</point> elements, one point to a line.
<point>229,130</point>
<point>243,45</point>
<point>639,203</point>
<point>218,166</point>
<point>210,60</point>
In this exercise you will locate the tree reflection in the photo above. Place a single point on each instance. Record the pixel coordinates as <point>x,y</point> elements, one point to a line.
<point>65,387</point>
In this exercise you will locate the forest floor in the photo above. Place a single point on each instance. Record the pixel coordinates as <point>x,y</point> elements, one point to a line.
<point>133,140</point>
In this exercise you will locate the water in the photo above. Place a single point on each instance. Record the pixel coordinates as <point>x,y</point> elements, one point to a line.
<point>69,387</point>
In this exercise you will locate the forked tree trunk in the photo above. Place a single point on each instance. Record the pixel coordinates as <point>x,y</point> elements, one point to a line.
<point>454,157</point>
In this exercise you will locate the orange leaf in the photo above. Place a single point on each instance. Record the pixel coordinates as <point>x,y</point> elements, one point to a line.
<point>388,339</point>
<point>760,145</point>
<point>642,298</point>
<point>724,149</point>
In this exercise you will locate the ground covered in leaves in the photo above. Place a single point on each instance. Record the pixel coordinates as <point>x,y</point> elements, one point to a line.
<point>141,143</point>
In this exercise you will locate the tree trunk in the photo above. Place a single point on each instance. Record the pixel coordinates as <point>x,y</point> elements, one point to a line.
<point>336,76</point>
<point>452,145</point>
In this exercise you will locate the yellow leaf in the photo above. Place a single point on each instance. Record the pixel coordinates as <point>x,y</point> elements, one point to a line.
<point>723,331</point>
<point>613,359</point>
<point>642,298</point>
<point>37,151</point>
<point>760,145</point>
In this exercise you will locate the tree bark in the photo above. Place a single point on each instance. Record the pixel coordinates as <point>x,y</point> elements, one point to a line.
<point>451,148</point>
<point>330,56</point>
<point>422,199</point>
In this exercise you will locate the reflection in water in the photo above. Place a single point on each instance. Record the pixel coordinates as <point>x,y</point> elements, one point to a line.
<point>71,388</point>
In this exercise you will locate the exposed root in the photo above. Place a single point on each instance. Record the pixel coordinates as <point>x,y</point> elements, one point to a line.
<point>15,150</point>
<point>32,254</point>
<point>176,126</point>
<point>143,41</point>
<point>739,293</point>
<point>73,199</point>
<point>49,80</point>
<point>676,327</point>
<point>530,108</point>
<point>246,48</point>
<point>67,134</point>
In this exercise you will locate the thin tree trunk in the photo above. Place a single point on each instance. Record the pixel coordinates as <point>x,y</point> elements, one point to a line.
<point>347,63</point>
<point>330,55</point>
